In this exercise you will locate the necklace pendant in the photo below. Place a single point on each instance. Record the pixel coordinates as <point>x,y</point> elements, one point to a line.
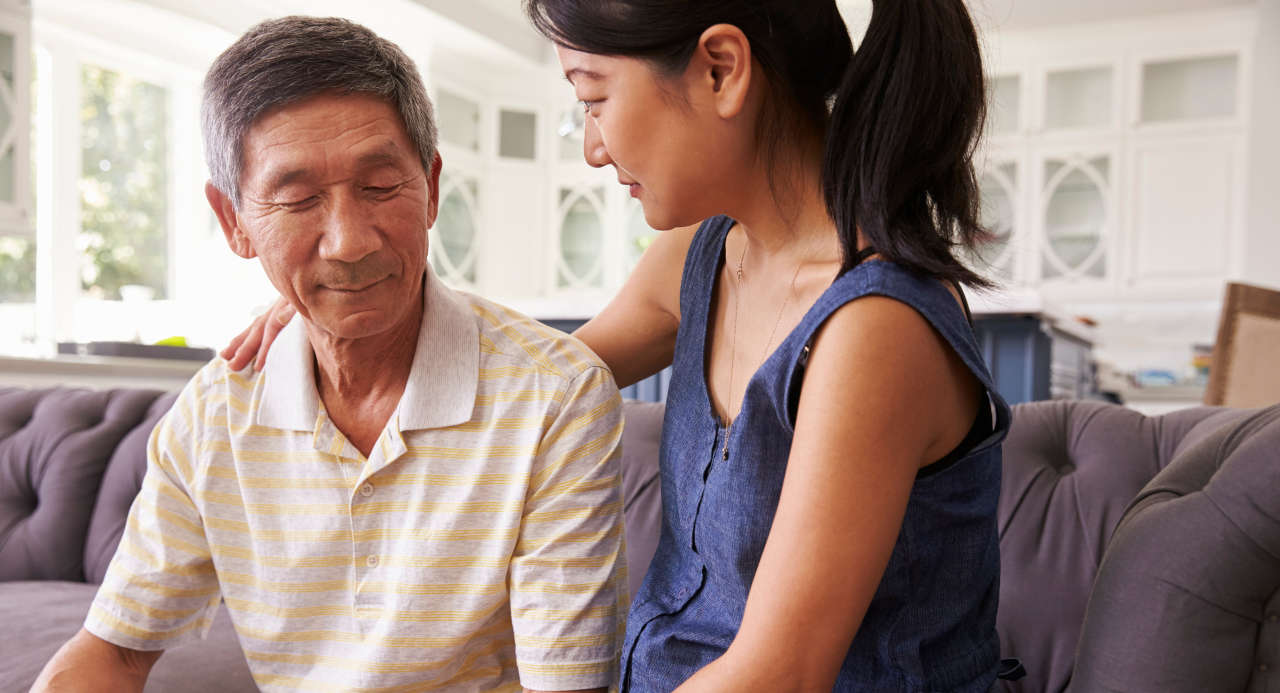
<point>724,454</point>
<point>738,274</point>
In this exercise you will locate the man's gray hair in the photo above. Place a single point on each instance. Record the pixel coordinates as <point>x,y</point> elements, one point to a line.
<point>283,61</point>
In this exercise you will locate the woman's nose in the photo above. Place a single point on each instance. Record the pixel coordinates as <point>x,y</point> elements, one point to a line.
<point>593,149</point>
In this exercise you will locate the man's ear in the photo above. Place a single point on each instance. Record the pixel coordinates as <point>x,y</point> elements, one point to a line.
<point>723,62</point>
<point>433,190</point>
<point>225,210</point>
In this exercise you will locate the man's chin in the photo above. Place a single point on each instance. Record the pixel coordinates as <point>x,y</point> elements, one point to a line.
<point>355,324</point>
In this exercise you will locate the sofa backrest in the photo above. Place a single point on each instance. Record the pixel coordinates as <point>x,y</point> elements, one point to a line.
<point>1070,470</point>
<point>55,446</point>
<point>71,462</point>
<point>120,484</point>
<point>1188,595</point>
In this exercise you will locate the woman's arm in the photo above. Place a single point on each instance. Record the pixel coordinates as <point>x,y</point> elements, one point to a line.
<point>635,335</point>
<point>883,395</point>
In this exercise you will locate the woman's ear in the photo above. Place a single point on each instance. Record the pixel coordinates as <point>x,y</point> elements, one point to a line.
<point>723,64</point>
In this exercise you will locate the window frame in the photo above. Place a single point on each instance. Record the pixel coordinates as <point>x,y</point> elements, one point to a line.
<point>61,51</point>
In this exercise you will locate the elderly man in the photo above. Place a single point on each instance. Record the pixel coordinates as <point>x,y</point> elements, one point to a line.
<point>420,491</point>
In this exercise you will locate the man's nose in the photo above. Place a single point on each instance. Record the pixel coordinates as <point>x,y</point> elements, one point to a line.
<point>593,149</point>
<point>349,233</point>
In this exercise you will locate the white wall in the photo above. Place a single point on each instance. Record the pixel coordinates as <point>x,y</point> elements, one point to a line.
<point>1262,265</point>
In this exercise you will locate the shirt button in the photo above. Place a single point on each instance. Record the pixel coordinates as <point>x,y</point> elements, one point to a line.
<point>1263,667</point>
<point>366,490</point>
<point>1272,618</point>
<point>371,561</point>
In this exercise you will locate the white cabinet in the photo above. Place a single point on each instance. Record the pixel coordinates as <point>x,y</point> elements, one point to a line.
<point>1114,174</point>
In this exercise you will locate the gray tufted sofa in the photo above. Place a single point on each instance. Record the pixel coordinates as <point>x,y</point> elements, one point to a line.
<point>1138,554</point>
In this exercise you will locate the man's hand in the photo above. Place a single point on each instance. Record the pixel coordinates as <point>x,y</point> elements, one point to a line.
<point>88,664</point>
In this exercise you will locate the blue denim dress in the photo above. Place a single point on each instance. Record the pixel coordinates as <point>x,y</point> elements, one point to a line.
<point>931,623</point>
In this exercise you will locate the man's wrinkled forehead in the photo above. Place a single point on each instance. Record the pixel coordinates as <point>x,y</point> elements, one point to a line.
<point>271,157</point>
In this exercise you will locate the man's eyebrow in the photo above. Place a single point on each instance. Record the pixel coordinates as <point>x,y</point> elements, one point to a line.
<point>383,155</point>
<point>281,178</point>
<point>579,71</point>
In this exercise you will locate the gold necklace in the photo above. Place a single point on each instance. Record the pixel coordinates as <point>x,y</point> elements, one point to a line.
<point>733,348</point>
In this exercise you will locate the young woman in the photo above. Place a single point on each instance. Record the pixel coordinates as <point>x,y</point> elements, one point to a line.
<point>830,454</point>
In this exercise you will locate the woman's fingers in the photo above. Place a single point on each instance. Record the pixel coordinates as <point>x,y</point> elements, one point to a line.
<point>230,350</point>
<point>247,343</point>
<point>281,313</point>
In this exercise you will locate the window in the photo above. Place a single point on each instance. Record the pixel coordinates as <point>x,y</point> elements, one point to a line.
<point>123,187</point>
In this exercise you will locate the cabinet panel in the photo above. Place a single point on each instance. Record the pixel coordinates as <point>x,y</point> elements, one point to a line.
<point>1001,194</point>
<point>1182,209</point>
<point>1189,89</point>
<point>1079,98</point>
<point>458,119</point>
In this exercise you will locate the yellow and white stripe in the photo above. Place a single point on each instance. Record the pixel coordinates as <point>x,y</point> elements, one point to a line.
<point>477,548</point>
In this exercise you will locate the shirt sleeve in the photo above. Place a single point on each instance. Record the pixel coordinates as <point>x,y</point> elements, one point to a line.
<point>568,572</point>
<point>160,589</point>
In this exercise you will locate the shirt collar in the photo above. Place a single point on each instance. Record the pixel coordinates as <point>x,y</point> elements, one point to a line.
<point>442,383</point>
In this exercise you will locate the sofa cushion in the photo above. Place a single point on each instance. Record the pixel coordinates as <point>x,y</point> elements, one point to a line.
<point>54,447</point>
<point>641,488</point>
<point>1070,471</point>
<point>48,612</point>
<point>1185,599</point>
<point>120,484</point>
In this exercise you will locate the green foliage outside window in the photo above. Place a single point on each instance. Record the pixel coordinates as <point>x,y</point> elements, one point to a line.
<point>17,270</point>
<point>123,183</point>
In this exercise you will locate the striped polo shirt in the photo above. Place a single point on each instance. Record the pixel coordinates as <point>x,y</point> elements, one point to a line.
<point>477,548</point>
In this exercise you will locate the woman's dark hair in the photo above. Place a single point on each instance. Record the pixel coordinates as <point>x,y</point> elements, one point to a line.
<point>900,117</point>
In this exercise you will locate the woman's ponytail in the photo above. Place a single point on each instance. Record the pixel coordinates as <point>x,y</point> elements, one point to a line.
<point>899,146</point>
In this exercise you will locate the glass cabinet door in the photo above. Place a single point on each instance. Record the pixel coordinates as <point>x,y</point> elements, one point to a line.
<point>580,264</point>
<point>1077,217</point>
<point>452,248</point>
